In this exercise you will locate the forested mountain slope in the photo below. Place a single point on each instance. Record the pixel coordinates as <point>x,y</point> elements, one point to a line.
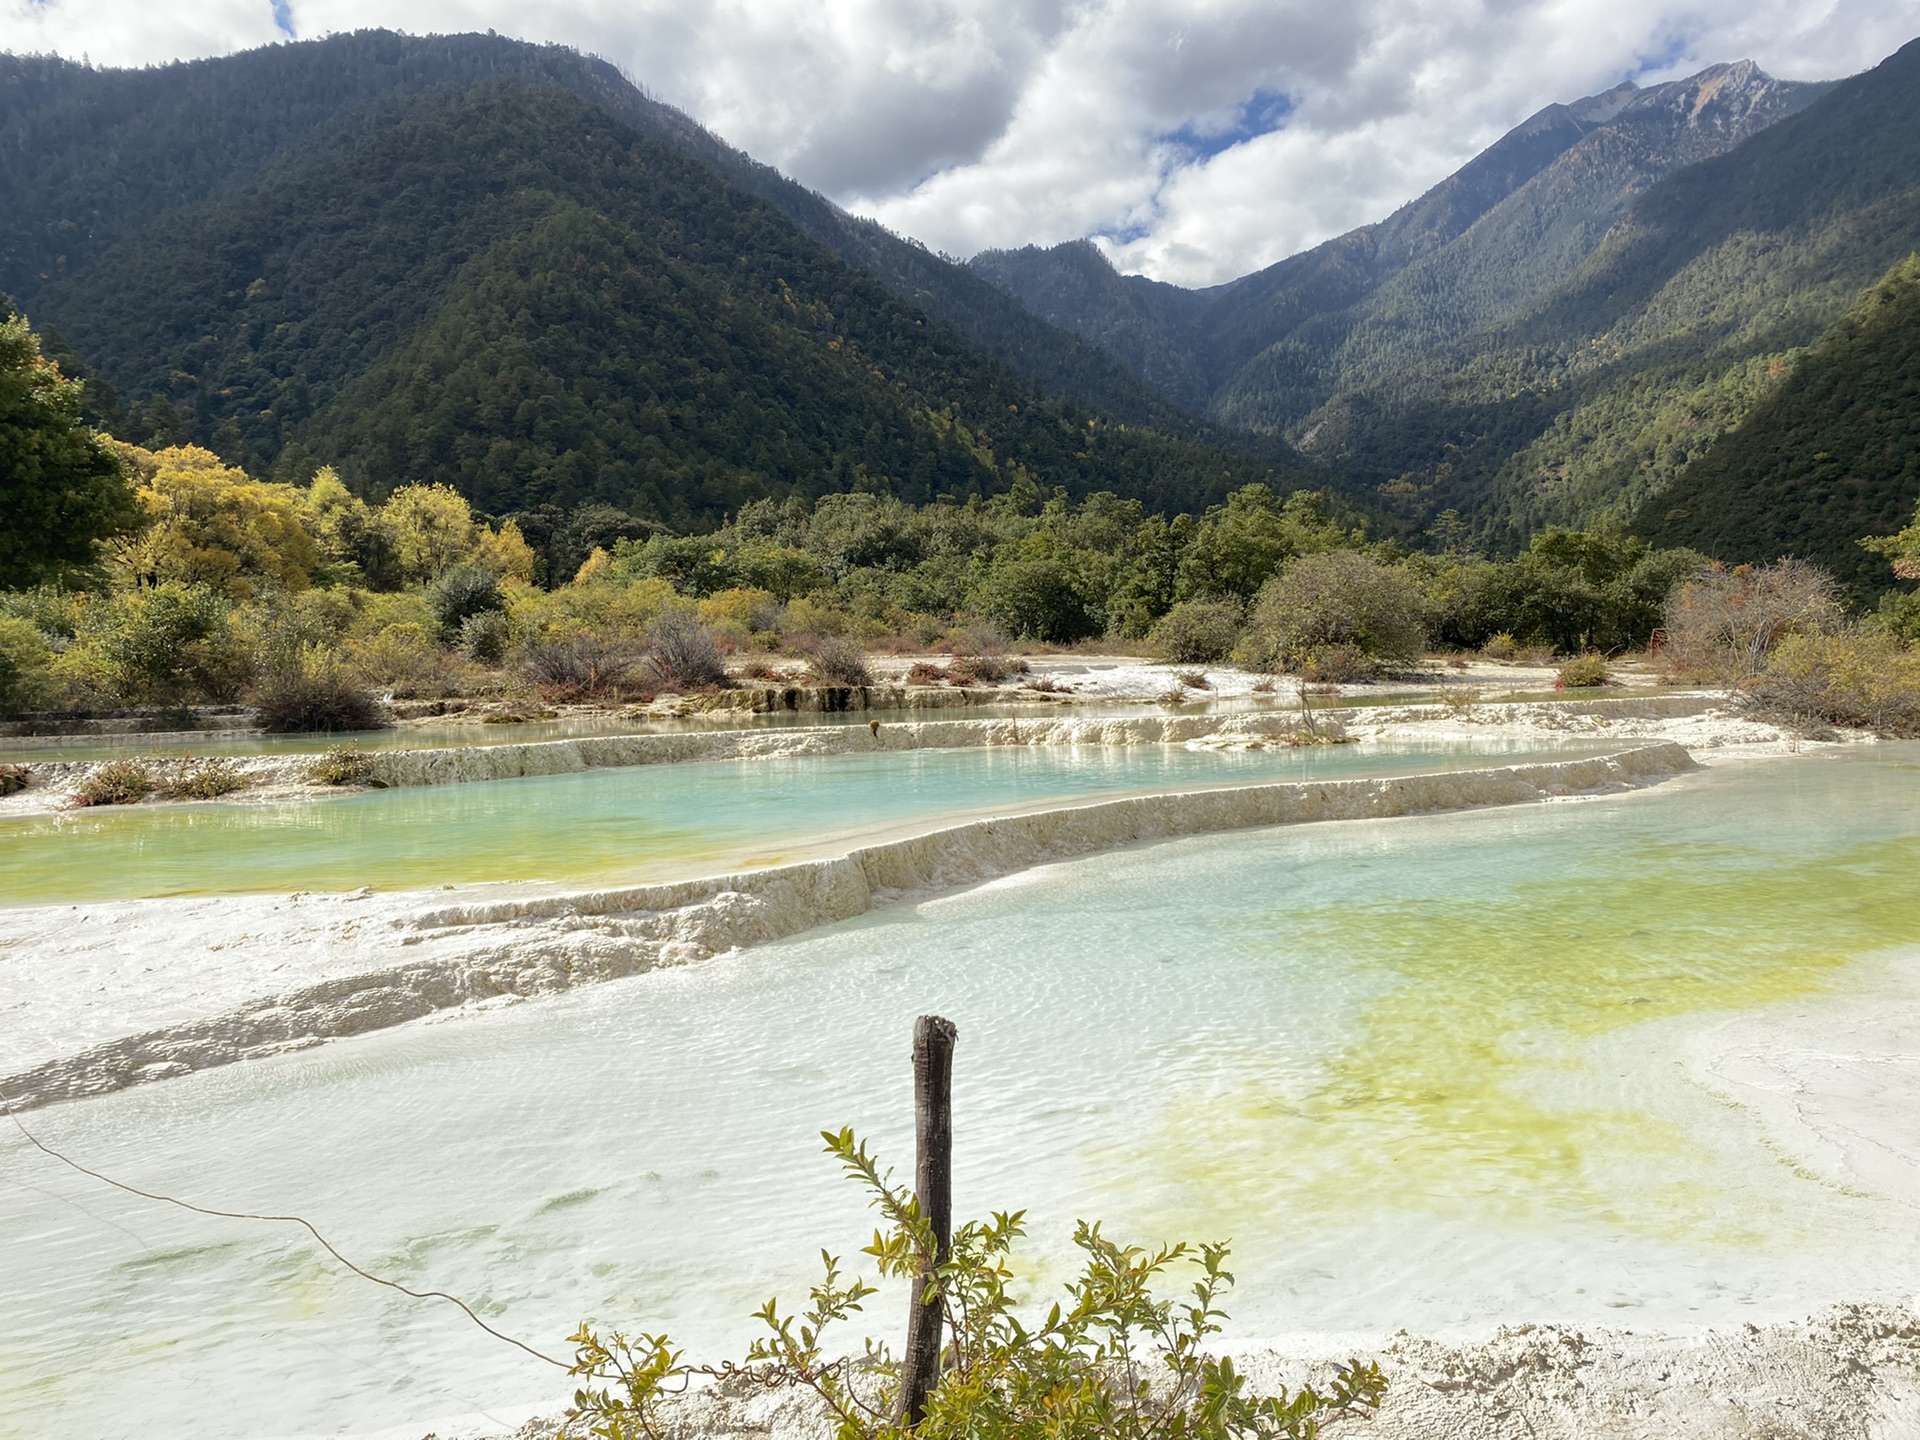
<point>96,155</point>
<point>1265,350</point>
<point>500,286</point>
<point>1694,307</point>
<point>1831,455</point>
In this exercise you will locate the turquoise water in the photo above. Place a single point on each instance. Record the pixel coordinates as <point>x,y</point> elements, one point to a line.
<point>1423,1072</point>
<point>615,824</point>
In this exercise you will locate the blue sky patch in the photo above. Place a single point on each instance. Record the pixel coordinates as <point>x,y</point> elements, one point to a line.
<point>1266,112</point>
<point>283,17</point>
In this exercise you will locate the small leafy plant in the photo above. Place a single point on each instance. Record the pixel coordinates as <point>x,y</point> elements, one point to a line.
<point>202,780</point>
<point>1111,1361</point>
<point>118,782</point>
<point>341,765</point>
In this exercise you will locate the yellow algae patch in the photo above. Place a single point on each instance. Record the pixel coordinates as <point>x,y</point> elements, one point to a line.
<point>1491,1064</point>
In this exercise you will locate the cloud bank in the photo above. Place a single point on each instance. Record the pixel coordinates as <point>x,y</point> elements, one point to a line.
<point>1195,140</point>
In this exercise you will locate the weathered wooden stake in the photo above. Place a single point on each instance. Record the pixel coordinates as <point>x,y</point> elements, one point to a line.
<point>933,1186</point>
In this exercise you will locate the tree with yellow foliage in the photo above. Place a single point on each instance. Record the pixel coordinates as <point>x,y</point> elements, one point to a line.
<point>211,524</point>
<point>430,529</point>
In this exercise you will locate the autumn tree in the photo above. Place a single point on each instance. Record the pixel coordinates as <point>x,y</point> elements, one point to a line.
<point>211,524</point>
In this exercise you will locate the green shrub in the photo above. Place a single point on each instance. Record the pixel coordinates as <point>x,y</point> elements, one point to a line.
<point>1338,612</point>
<point>341,765</point>
<point>168,645</point>
<point>484,637</point>
<point>1037,599</point>
<point>117,782</point>
<point>26,678</point>
<point>1582,672</point>
<point>1337,665</point>
<point>1899,614</point>
<point>202,780</point>
<point>14,779</point>
<point>1501,647</point>
<point>1197,632</point>
<point>459,593</point>
<point>1112,1361</point>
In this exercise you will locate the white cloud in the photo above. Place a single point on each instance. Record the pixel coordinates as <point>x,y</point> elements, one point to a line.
<point>1198,138</point>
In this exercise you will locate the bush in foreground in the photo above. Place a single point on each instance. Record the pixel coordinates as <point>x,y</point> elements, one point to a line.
<point>591,665</point>
<point>1111,1361</point>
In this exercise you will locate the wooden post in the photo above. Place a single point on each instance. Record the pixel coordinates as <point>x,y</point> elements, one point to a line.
<point>933,1187</point>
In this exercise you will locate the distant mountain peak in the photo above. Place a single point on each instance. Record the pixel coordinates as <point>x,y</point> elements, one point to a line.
<point>1598,109</point>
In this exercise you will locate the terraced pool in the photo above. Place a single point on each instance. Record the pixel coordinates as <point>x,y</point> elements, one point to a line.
<point>1424,1072</point>
<point>629,823</point>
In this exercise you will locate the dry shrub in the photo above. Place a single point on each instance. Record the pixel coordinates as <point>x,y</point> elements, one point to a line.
<point>1194,680</point>
<point>118,782</point>
<point>984,669</point>
<point>14,779</point>
<point>922,673</point>
<point>682,654</point>
<point>757,670</point>
<point>1723,624</point>
<point>323,698</point>
<point>838,661</point>
<point>202,780</point>
<point>591,665</point>
<point>1864,679</point>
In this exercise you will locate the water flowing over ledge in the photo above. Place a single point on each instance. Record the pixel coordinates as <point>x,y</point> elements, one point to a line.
<point>493,950</point>
<point>282,776</point>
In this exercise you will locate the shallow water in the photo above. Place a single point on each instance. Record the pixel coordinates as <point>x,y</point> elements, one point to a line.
<point>636,822</point>
<point>1423,1072</point>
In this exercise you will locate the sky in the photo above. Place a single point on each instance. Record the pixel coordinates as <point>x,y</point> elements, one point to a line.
<point>1192,141</point>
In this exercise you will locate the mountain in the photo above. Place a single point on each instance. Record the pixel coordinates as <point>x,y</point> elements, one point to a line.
<point>1831,455</point>
<point>97,153</point>
<point>1264,351</point>
<point>388,255</point>
<point>1699,301</point>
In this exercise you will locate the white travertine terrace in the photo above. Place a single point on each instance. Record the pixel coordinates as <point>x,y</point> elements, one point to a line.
<point>109,998</point>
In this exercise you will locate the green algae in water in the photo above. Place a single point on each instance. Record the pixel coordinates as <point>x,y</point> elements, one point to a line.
<point>1466,1086</point>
